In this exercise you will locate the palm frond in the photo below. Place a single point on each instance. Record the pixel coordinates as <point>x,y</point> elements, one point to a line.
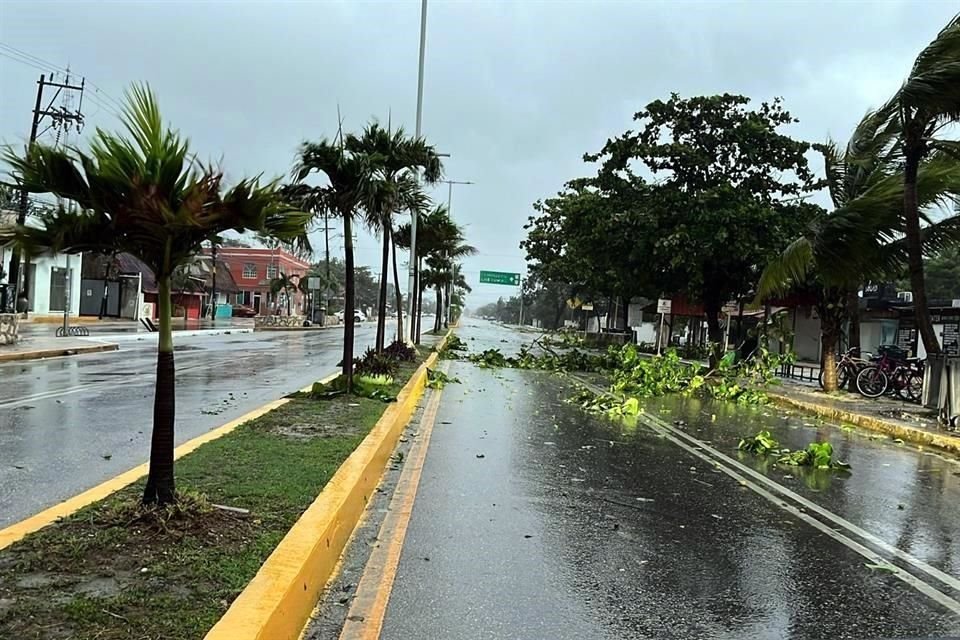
<point>790,267</point>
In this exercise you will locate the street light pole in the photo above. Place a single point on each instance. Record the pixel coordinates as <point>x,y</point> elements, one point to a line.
<point>450,184</point>
<point>411,294</point>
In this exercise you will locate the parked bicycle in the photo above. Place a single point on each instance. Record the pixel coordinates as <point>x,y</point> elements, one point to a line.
<point>892,372</point>
<point>848,366</point>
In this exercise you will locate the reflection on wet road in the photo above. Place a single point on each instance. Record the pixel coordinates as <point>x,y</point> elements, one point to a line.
<point>67,424</point>
<point>573,526</point>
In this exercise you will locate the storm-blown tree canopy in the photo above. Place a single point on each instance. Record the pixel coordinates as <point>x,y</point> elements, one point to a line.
<point>141,192</point>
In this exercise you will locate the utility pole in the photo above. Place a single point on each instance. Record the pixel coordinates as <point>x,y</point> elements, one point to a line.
<point>60,117</point>
<point>521,302</point>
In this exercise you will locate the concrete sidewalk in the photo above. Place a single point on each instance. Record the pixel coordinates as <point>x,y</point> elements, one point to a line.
<point>907,421</point>
<point>37,347</point>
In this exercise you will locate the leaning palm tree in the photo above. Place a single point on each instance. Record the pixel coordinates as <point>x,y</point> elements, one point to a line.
<point>141,192</point>
<point>348,174</point>
<point>862,237</point>
<point>928,102</point>
<point>393,158</point>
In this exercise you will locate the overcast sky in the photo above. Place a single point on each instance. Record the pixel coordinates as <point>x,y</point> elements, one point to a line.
<point>516,92</point>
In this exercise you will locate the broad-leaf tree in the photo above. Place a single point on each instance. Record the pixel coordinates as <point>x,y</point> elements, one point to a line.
<point>141,192</point>
<point>726,194</point>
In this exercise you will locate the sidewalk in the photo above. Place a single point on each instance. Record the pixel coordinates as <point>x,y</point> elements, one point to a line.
<point>37,347</point>
<point>907,421</point>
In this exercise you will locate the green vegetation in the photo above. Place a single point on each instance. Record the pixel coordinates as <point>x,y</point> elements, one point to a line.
<point>143,192</point>
<point>437,379</point>
<point>116,570</point>
<point>706,193</point>
<point>818,455</point>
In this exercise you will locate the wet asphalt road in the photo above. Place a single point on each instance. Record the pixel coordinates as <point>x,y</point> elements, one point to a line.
<point>67,424</point>
<point>572,526</point>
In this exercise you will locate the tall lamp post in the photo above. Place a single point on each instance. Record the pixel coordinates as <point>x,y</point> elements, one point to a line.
<point>450,183</point>
<point>411,294</point>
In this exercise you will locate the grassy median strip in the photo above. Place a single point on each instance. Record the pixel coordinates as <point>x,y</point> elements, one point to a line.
<point>112,571</point>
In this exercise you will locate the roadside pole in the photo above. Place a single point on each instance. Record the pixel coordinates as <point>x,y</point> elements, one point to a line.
<point>521,302</point>
<point>66,302</point>
<point>664,305</point>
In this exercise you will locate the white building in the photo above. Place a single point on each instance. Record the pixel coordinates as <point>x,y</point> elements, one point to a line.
<point>47,278</point>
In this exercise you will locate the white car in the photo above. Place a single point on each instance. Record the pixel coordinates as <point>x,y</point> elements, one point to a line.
<point>358,316</point>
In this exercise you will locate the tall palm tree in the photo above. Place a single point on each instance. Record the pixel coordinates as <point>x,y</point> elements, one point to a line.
<point>141,192</point>
<point>393,158</point>
<point>861,238</point>
<point>928,101</point>
<point>348,190</point>
<point>288,285</point>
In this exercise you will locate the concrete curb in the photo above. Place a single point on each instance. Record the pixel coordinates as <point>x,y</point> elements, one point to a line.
<point>277,603</point>
<point>19,530</point>
<point>55,353</point>
<point>153,336</point>
<point>949,444</point>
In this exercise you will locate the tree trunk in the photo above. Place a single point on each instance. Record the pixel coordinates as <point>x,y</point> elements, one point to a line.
<point>348,302</point>
<point>911,215</point>
<point>829,332</point>
<point>437,322</point>
<point>161,487</point>
<point>625,310</point>
<point>382,300</point>
<point>396,287</point>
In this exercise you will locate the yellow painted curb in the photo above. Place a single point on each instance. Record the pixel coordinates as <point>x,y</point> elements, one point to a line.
<point>277,603</point>
<point>54,353</point>
<point>946,443</point>
<point>19,530</point>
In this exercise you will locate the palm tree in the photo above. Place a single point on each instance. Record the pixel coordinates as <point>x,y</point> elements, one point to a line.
<point>349,189</point>
<point>928,101</point>
<point>288,285</point>
<point>861,238</point>
<point>143,193</point>
<point>393,158</point>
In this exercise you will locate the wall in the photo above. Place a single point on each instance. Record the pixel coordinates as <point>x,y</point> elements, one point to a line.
<point>41,284</point>
<point>806,341</point>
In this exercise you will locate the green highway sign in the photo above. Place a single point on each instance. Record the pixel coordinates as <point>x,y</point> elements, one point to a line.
<point>499,277</point>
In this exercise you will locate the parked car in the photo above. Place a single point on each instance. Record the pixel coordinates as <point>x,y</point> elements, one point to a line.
<point>358,316</point>
<point>243,311</point>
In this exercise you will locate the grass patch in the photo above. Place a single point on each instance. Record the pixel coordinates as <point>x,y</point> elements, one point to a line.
<point>113,571</point>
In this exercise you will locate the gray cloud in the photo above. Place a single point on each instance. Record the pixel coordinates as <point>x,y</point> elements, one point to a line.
<point>516,92</point>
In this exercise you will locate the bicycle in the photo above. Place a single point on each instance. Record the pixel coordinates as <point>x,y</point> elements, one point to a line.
<point>848,366</point>
<point>890,373</point>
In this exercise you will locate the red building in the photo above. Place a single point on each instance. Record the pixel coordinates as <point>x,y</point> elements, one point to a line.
<point>253,269</point>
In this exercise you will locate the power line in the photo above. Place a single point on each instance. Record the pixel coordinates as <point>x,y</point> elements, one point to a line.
<point>19,55</point>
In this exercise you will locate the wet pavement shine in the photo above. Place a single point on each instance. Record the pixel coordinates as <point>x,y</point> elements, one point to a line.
<point>536,520</point>
<point>67,424</point>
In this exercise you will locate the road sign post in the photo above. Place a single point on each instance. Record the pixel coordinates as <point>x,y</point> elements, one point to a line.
<point>663,308</point>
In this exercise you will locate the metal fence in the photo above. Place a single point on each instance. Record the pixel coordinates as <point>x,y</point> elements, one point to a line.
<point>803,372</point>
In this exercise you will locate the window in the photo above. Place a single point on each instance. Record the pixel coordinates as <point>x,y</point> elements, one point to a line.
<point>272,270</point>
<point>249,270</point>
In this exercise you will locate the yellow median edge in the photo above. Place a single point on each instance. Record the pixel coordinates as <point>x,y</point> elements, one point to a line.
<point>277,603</point>
<point>950,444</point>
<point>19,530</point>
